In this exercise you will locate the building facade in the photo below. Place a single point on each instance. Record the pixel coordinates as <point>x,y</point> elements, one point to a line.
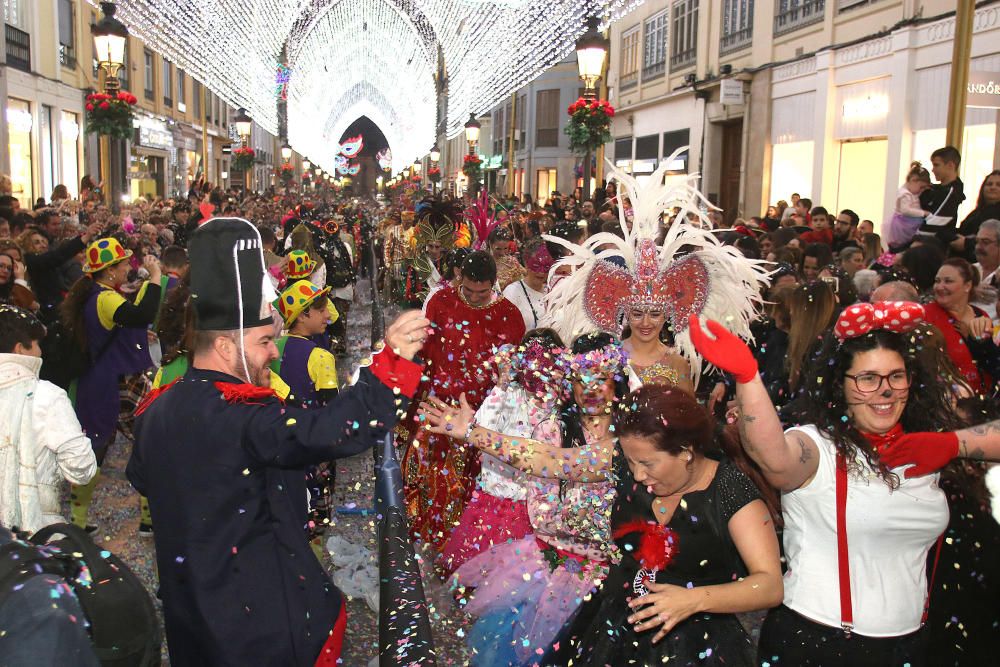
<point>828,98</point>
<point>181,128</point>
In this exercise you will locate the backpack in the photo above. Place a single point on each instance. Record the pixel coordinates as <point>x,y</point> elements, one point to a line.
<point>64,360</point>
<point>124,629</point>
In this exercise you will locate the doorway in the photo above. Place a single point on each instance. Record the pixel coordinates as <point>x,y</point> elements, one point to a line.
<point>861,181</point>
<point>730,169</point>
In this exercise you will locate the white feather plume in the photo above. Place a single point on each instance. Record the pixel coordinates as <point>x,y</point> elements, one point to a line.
<point>733,289</point>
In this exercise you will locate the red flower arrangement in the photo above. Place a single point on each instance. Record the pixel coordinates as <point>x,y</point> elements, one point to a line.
<point>472,167</point>
<point>110,114</point>
<point>590,124</point>
<point>434,175</point>
<point>243,158</point>
<point>286,173</point>
<point>415,178</point>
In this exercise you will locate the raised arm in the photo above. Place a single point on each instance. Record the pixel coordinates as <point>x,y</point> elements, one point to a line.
<point>788,461</point>
<point>590,463</point>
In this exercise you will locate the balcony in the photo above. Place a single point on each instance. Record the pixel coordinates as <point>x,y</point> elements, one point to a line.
<point>654,70</point>
<point>681,59</point>
<point>67,55</point>
<point>803,13</point>
<point>736,40</point>
<point>18,49</point>
<point>628,81</point>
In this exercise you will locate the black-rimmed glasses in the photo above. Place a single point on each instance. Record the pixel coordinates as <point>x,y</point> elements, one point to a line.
<point>868,383</point>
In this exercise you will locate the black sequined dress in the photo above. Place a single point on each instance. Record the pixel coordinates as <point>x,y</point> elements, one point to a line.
<point>600,635</point>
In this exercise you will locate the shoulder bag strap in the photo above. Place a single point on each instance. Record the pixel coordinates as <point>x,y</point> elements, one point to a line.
<point>843,565</point>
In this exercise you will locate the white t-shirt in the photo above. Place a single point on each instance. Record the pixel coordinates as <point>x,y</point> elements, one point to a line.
<point>889,533</point>
<point>528,301</point>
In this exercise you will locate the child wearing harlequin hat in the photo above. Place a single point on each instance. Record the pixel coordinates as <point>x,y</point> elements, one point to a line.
<point>311,373</point>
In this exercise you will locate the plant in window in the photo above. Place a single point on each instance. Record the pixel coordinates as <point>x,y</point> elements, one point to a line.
<point>110,114</point>
<point>589,125</point>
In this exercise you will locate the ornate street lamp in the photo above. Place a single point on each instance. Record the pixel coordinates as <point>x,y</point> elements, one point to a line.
<point>591,50</point>
<point>435,154</point>
<point>472,132</point>
<point>110,38</point>
<point>306,166</point>
<point>243,124</point>
<point>286,152</point>
<point>417,166</point>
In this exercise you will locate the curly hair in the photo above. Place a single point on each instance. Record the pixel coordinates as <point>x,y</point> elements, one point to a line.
<point>929,403</point>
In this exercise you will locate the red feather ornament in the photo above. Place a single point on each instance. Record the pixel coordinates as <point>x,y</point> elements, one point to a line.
<point>248,394</point>
<point>657,544</point>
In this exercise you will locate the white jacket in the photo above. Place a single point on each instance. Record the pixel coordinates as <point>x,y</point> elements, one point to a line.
<point>37,425</point>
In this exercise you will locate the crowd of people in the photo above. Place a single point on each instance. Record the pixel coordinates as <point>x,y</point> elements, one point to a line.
<point>624,423</point>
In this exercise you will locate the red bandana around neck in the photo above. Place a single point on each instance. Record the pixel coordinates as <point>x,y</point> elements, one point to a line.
<point>880,442</point>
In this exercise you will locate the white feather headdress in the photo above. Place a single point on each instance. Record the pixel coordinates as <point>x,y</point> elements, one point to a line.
<point>692,272</point>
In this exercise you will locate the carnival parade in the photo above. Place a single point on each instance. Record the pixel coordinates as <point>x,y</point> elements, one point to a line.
<point>695,364</point>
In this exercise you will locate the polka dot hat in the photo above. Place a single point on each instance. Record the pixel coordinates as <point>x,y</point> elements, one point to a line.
<point>103,253</point>
<point>296,298</point>
<point>300,265</point>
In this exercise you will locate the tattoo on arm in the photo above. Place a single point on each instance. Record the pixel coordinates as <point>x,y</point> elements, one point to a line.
<point>744,438</point>
<point>986,429</point>
<point>804,452</point>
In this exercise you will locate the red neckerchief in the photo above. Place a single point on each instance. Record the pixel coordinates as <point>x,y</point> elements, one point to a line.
<point>248,394</point>
<point>882,442</point>
<point>152,396</point>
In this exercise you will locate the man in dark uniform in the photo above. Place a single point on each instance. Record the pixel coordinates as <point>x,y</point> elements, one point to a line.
<point>221,460</point>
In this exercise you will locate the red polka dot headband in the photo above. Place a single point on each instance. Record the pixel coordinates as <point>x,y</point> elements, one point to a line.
<point>861,318</point>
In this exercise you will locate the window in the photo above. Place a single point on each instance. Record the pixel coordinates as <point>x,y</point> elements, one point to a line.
<point>737,25</point>
<point>629,75</point>
<point>547,118</point>
<point>69,133</point>
<point>685,34</point>
<point>793,14</point>
<point>123,73</point>
<point>19,146</point>
<point>844,5</point>
<point>168,83</point>
<point>181,97</point>
<point>147,59</point>
<point>15,13</point>
<point>521,116</point>
<point>67,37</point>
<point>498,130</point>
<point>196,99</point>
<point>647,147</point>
<point>671,142</point>
<point>654,46</point>
<point>545,183</point>
<point>623,149</point>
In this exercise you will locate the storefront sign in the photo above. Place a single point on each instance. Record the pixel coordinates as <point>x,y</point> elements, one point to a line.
<point>731,92</point>
<point>624,165</point>
<point>643,166</point>
<point>984,90</point>
<point>154,133</point>
<point>872,106</point>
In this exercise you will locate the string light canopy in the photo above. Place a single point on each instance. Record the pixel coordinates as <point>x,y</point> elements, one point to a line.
<point>379,58</point>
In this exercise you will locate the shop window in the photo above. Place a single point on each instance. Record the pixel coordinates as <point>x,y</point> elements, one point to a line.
<point>148,74</point>
<point>67,36</point>
<point>861,183</point>
<point>673,141</point>
<point>168,83</point>
<point>977,152</point>
<point>19,142</point>
<point>647,147</point>
<point>684,46</point>
<point>628,74</point>
<point>791,170</point>
<point>45,129</point>
<point>545,184</point>
<point>547,118</point>
<point>69,154</point>
<point>654,46</point>
<point>737,25</point>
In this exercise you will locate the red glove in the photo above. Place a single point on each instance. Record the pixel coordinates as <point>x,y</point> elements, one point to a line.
<point>726,350</point>
<point>928,452</point>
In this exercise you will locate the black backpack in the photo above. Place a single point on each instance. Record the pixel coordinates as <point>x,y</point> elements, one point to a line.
<point>124,629</point>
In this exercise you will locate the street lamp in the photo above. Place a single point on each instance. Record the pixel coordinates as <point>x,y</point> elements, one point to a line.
<point>306,166</point>
<point>110,38</point>
<point>417,166</point>
<point>591,50</point>
<point>472,132</point>
<point>286,152</point>
<point>243,124</point>
<point>435,154</point>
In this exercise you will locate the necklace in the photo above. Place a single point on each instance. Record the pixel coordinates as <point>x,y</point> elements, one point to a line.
<point>461,296</point>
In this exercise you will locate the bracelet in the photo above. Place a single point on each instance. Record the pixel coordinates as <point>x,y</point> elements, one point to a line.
<point>468,432</point>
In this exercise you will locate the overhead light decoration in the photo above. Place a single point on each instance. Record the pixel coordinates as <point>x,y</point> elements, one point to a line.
<point>365,57</point>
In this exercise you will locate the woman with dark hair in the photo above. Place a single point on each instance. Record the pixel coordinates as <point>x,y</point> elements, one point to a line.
<point>921,263</point>
<point>987,208</point>
<point>694,541</point>
<point>856,536</point>
<point>811,309</point>
<point>967,329</point>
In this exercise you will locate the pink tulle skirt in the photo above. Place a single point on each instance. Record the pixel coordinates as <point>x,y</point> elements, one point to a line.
<point>487,521</point>
<point>515,583</point>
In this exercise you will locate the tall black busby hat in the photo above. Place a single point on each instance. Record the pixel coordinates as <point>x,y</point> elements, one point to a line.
<point>229,284</point>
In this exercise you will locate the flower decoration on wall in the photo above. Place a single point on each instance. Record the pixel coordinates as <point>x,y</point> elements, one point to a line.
<point>110,114</point>
<point>589,124</point>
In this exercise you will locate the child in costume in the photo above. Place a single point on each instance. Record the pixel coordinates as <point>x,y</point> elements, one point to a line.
<point>525,401</point>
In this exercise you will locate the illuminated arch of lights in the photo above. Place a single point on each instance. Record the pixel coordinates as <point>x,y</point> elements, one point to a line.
<point>364,57</point>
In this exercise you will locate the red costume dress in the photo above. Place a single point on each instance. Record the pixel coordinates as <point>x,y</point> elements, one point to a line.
<point>440,473</point>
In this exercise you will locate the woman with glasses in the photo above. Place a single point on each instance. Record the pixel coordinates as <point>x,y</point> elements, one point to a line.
<point>857,533</point>
<point>967,329</point>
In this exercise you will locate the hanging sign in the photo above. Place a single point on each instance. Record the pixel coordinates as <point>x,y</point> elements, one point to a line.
<point>731,92</point>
